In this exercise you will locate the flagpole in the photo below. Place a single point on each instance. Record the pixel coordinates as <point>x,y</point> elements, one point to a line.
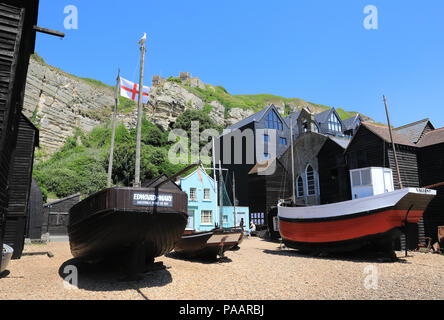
<point>113,134</point>
<point>139,116</point>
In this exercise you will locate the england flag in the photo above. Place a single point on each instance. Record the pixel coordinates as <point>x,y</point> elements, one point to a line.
<point>130,90</point>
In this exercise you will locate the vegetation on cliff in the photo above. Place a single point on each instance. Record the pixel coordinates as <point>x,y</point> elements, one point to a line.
<point>81,165</point>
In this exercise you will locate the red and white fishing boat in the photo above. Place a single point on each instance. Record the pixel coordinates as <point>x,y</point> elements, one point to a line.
<point>350,225</point>
<point>376,216</point>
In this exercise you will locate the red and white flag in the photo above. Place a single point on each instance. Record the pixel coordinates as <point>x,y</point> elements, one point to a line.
<point>130,90</point>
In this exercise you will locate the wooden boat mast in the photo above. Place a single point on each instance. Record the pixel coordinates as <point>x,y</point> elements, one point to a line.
<point>139,114</point>
<point>113,134</point>
<point>393,144</point>
<point>221,220</point>
<point>234,199</point>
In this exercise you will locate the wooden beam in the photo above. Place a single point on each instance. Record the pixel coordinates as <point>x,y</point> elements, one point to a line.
<point>50,32</point>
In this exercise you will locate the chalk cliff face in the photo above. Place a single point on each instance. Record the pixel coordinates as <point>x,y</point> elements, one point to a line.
<point>58,103</point>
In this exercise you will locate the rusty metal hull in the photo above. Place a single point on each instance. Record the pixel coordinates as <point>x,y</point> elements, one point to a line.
<point>112,222</point>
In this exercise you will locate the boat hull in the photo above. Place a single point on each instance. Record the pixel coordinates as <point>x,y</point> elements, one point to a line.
<point>207,244</point>
<point>110,224</point>
<point>365,223</point>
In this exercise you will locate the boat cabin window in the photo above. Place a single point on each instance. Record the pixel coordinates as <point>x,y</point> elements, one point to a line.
<point>361,178</point>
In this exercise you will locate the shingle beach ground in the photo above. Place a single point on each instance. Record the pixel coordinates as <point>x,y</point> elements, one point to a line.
<point>259,270</point>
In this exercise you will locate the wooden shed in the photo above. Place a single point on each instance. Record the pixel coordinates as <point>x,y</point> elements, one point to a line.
<point>17,40</point>
<point>35,213</point>
<point>431,164</point>
<point>267,184</point>
<point>371,147</point>
<point>334,178</point>
<point>20,176</point>
<point>56,215</point>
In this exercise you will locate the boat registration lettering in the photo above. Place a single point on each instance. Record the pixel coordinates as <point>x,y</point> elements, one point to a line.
<point>151,199</point>
<point>423,190</point>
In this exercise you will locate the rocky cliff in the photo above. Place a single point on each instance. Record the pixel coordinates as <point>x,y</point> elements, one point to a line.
<point>58,103</point>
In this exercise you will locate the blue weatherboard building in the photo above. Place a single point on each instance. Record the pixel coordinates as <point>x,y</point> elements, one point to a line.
<point>203,209</point>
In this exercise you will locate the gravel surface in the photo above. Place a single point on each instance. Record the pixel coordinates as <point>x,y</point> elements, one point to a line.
<point>259,270</point>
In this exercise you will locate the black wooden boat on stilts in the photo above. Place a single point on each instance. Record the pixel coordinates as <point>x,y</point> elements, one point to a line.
<point>129,226</point>
<point>115,221</point>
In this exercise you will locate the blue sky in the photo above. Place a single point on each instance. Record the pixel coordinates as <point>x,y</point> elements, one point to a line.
<point>317,50</point>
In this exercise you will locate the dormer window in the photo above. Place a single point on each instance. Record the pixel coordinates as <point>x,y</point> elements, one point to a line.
<point>334,124</point>
<point>273,122</point>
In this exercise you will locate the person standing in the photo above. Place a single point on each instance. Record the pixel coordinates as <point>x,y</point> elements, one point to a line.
<point>252,228</point>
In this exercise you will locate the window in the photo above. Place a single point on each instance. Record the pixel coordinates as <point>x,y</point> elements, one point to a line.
<point>299,187</point>
<point>206,217</point>
<point>266,156</point>
<point>273,122</point>
<point>206,194</point>
<point>283,141</point>
<point>257,218</point>
<point>361,178</point>
<point>193,194</point>
<point>311,185</point>
<point>334,124</point>
<point>305,126</point>
<point>266,138</point>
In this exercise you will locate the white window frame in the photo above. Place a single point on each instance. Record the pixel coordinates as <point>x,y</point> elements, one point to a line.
<point>209,194</point>
<point>298,194</point>
<point>204,217</point>
<point>315,180</point>
<point>195,194</point>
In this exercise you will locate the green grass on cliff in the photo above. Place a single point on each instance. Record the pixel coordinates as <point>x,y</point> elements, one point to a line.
<point>81,165</point>
<point>255,102</point>
<point>89,81</point>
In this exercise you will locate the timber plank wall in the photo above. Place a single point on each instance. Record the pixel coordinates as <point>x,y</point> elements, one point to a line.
<point>56,215</point>
<point>20,177</point>
<point>431,160</point>
<point>17,40</point>
<point>334,180</point>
